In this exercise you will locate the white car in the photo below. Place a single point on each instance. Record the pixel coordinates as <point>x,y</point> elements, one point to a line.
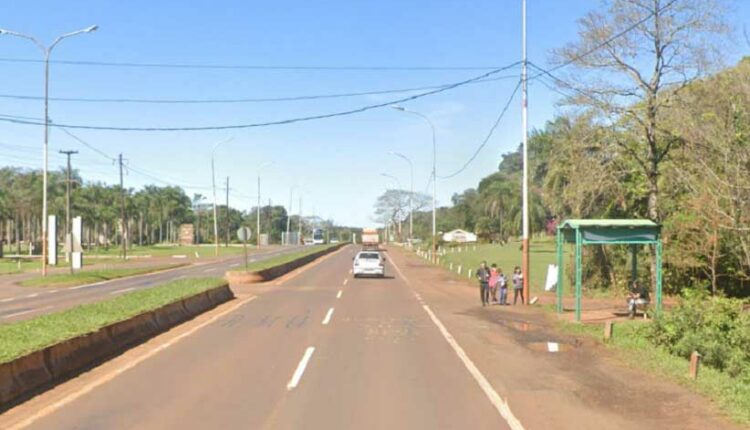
<point>368,263</point>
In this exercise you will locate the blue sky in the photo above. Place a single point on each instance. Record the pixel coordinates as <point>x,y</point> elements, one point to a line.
<point>336,163</point>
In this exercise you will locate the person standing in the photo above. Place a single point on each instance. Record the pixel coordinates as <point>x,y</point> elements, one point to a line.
<point>517,285</point>
<point>493,283</point>
<point>502,284</point>
<point>483,275</point>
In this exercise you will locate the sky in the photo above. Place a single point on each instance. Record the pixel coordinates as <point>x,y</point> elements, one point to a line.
<point>334,164</point>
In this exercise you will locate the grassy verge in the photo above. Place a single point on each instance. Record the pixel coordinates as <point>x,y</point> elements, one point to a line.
<point>281,259</point>
<point>730,394</point>
<point>506,257</point>
<point>18,339</point>
<point>91,276</point>
<point>169,250</point>
<point>10,266</point>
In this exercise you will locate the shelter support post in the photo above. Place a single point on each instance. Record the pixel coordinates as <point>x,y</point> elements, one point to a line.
<point>579,274</point>
<point>658,276</point>
<point>633,263</point>
<point>559,289</point>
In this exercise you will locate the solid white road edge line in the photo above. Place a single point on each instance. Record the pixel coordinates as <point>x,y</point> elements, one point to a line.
<point>108,377</point>
<point>338,295</point>
<point>300,368</point>
<point>124,290</point>
<point>27,312</point>
<point>327,319</point>
<point>498,402</point>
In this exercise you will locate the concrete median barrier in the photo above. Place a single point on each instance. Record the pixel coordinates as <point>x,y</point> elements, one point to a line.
<point>37,371</point>
<point>242,277</point>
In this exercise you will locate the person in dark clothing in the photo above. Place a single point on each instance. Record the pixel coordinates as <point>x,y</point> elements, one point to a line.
<point>483,275</point>
<point>517,285</point>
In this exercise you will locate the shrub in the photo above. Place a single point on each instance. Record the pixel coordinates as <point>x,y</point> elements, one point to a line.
<point>716,327</point>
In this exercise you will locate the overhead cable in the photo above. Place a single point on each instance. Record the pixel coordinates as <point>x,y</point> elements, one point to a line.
<point>271,123</point>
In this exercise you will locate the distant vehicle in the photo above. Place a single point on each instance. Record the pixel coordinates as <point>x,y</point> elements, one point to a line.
<point>317,237</point>
<point>370,238</point>
<point>334,241</point>
<point>368,263</point>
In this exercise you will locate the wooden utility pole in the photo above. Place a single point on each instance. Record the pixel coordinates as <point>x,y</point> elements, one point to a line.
<point>68,241</point>
<point>122,214</point>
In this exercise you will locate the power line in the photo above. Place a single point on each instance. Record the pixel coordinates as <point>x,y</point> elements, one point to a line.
<point>271,123</point>
<point>489,135</point>
<point>242,100</point>
<point>243,67</point>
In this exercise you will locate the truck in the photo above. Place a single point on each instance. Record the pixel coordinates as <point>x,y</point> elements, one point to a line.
<point>370,238</point>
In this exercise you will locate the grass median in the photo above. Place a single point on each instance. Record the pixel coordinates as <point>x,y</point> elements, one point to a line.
<point>285,258</point>
<point>92,276</point>
<point>20,338</point>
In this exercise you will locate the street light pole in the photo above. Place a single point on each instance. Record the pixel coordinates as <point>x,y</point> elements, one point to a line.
<point>213,187</point>
<point>434,174</point>
<point>257,227</point>
<point>46,50</point>
<point>411,194</point>
<point>289,215</point>
<point>525,131</point>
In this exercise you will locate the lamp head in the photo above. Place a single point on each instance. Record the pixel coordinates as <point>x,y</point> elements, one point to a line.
<point>397,107</point>
<point>90,29</point>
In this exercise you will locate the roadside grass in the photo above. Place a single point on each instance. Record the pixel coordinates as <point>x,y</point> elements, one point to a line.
<point>92,276</point>
<point>9,266</point>
<point>281,259</point>
<point>23,337</point>
<point>506,257</point>
<point>170,250</point>
<point>731,395</point>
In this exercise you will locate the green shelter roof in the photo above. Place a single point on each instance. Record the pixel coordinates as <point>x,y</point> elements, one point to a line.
<point>583,223</point>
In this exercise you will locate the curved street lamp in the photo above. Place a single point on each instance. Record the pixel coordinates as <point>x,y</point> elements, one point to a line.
<point>434,175</point>
<point>47,51</point>
<point>257,227</point>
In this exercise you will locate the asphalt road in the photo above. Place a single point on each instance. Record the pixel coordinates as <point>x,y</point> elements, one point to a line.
<point>319,351</point>
<point>29,302</point>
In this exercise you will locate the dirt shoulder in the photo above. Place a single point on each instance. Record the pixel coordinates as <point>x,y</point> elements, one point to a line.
<point>583,386</point>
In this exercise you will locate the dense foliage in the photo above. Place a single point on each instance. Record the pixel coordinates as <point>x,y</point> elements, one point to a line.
<point>717,328</point>
<point>579,169</point>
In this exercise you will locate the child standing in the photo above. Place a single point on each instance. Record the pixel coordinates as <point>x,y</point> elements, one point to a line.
<point>493,283</point>
<point>517,285</point>
<point>502,283</point>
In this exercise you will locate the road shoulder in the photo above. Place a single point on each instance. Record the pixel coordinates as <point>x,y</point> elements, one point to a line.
<point>581,386</point>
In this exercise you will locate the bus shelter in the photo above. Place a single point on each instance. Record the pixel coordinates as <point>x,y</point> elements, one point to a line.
<point>580,232</point>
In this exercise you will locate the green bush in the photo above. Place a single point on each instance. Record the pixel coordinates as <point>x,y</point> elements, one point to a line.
<point>716,327</point>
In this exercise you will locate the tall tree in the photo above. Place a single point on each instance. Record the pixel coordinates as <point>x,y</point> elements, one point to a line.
<point>633,59</point>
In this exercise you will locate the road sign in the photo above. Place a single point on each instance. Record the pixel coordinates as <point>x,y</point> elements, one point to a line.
<point>244,234</point>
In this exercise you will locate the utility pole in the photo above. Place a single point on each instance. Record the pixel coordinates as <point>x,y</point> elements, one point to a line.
<point>122,214</point>
<point>299,234</point>
<point>226,244</point>
<point>257,218</point>
<point>525,130</point>
<point>68,237</point>
<point>289,216</point>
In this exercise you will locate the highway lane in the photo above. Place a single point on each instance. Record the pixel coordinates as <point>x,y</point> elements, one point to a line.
<point>320,350</point>
<point>39,300</point>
